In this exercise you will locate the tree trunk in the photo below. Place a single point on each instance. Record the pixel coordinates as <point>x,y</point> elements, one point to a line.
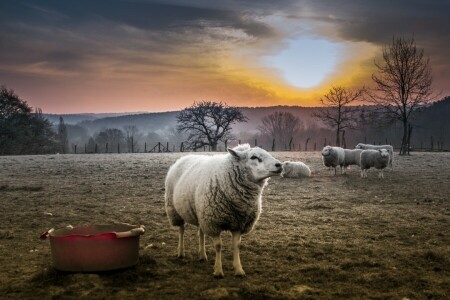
<point>409,137</point>
<point>338,142</point>
<point>403,147</point>
<point>213,147</point>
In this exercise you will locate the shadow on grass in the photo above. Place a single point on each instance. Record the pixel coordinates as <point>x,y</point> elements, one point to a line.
<point>142,272</point>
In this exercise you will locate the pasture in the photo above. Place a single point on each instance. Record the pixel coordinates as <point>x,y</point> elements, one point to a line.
<point>325,237</point>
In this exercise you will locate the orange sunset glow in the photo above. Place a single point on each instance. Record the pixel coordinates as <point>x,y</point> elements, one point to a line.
<point>129,56</point>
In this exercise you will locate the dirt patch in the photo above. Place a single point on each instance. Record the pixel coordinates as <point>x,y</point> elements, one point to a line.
<point>318,238</point>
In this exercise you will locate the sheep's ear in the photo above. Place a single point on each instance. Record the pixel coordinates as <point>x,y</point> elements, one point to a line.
<point>235,154</point>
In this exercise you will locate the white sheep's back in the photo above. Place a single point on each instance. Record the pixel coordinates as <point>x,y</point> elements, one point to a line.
<point>188,179</point>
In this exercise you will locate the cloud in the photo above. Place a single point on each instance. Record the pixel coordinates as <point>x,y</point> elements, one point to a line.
<point>181,50</point>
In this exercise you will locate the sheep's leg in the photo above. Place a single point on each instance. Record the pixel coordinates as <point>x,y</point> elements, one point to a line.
<point>380,175</point>
<point>181,242</point>
<point>218,272</point>
<point>362,173</point>
<point>201,247</point>
<point>238,271</point>
<point>335,171</point>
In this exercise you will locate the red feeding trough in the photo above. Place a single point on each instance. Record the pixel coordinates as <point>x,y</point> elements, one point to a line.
<point>95,248</point>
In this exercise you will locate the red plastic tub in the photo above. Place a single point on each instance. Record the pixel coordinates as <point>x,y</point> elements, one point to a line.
<point>95,248</point>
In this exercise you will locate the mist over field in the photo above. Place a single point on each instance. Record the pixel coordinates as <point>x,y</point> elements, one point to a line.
<point>152,128</point>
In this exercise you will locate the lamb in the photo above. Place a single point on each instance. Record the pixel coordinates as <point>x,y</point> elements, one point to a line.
<point>352,157</point>
<point>378,159</point>
<point>219,193</point>
<point>333,157</point>
<point>295,169</point>
<point>389,148</point>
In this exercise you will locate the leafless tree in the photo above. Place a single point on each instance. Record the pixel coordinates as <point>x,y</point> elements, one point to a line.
<point>131,132</point>
<point>207,123</point>
<point>282,126</point>
<point>62,136</point>
<point>336,112</point>
<point>403,84</point>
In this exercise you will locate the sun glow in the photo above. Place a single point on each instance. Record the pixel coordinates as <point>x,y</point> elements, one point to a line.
<point>307,62</point>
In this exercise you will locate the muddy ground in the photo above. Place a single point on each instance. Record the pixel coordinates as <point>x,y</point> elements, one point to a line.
<point>325,237</point>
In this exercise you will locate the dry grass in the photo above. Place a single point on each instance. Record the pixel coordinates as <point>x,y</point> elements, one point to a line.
<point>320,238</point>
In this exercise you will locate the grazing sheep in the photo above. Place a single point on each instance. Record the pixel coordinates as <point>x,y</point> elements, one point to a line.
<point>219,193</point>
<point>333,157</point>
<point>389,148</point>
<point>352,157</point>
<point>295,169</point>
<point>378,159</point>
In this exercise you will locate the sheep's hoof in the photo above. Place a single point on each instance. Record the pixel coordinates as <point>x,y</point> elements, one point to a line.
<point>239,273</point>
<point>203,258</point>
<point>181,256</point>
<point>218,275</point>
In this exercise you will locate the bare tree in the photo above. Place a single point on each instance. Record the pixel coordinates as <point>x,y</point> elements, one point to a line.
<point>131,132</point>
<point>336,113</point>
<point>403,84</point>
<point>111,136</point>
<point>62,136</point>
<point>207,123</point>
<point>282,126</point>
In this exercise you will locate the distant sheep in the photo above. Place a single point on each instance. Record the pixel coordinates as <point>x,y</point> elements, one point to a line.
<point>297,169</point>
<point>378,159</point>
<point>333,157</point>
<point>352,157</point>
<point>219,193</point>
<point>389,148</point>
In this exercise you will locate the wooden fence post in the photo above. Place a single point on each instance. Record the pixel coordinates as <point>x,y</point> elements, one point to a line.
<point>106,148</point>
<point>181,147</point>
<point>290,144</point>
<point>273,144</point>
<point>167,147</point>
<point>145,147</point>
<point>132,144</point>
<point>75,146</point>
<point>306,144</point>
<point>118,147</point>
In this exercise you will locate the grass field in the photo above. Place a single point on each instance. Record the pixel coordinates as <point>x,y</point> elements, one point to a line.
<point>325,237</point>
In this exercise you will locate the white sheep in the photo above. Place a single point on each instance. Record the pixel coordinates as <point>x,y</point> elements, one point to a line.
<point>389,148</point>
<point>352,157</point>
<point>378,159</point>
<point>219,193</point>
<point>295,169</point>
<point>333,157</point>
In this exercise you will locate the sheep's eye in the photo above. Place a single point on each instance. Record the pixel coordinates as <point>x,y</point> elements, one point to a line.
<point>256,157</point>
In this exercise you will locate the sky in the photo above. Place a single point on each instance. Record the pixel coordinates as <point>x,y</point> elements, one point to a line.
<point>76,56</point>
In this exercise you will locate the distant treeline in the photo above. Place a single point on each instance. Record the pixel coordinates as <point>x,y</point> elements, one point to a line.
<point>132,133</point>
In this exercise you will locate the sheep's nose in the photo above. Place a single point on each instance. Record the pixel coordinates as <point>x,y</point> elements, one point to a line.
<point>278,165</point>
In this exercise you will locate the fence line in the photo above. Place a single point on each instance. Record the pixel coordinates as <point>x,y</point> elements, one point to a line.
<point>434,146</point>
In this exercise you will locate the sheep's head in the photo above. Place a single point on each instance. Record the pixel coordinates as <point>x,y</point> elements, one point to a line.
<point>258,163</point>
<point>327,150</point>
<point>359,146</point>
<point>286,168</point>
<point>384,153</point>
